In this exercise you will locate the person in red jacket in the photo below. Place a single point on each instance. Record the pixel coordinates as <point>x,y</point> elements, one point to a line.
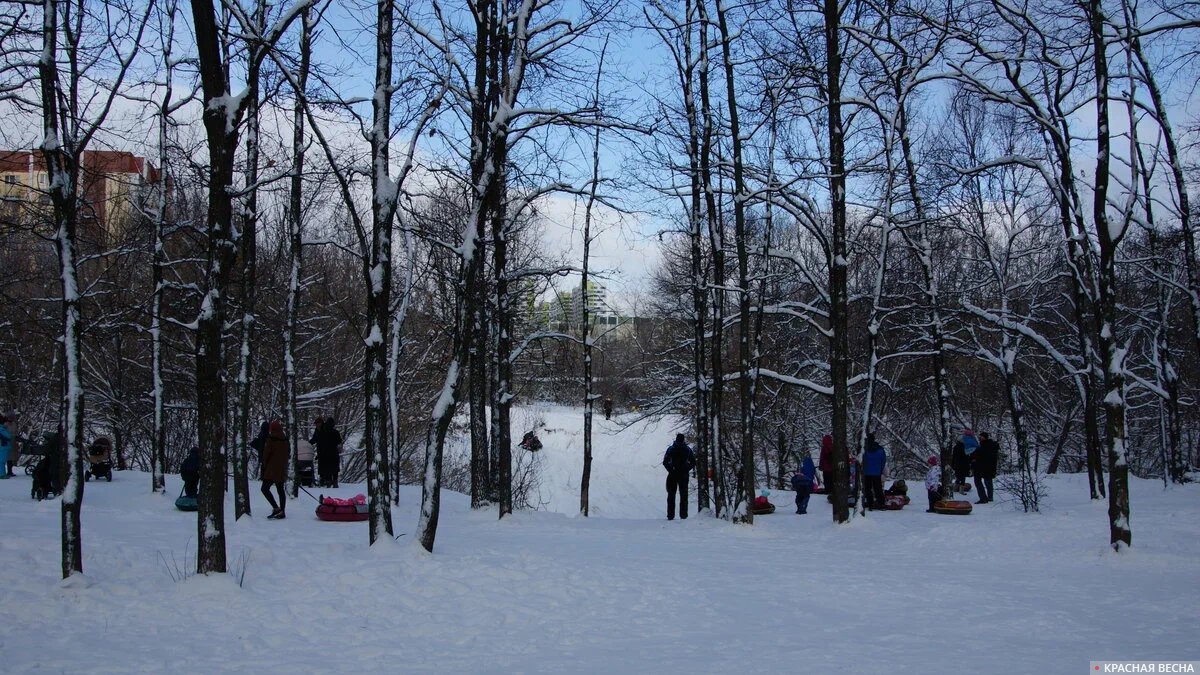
<point>826,465</point>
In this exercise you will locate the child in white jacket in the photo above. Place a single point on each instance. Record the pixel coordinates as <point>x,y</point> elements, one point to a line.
<point>933,483</point>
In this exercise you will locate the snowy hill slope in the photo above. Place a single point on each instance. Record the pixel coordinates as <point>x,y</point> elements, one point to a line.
<point>627,475</point>
<point>996,592</point>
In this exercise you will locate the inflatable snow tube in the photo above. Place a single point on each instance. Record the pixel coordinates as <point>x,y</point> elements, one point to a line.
<point>895,502</point>
<point>762,506</point>
<point>342,513</point>
<point>185,503</point>
<point>957,508</point>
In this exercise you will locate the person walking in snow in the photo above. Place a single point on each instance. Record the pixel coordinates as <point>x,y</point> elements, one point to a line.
<point>275,463</point>
<point>802,483</point>
<point>983,464</point>
<point>678,461</point>
<point>874,463</point>
<point>608,407</point>
<point>933,483</point>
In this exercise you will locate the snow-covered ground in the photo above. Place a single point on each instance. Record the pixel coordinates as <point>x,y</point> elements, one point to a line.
<point>998,591</point>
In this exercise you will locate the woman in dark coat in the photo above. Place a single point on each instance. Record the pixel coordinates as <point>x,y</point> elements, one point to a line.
<point>275,463</point>
<point>259,443</point>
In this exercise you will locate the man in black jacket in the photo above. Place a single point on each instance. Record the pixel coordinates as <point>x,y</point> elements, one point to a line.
<point>328,443</point>
<point>983,464</point>
<point>678,461</point>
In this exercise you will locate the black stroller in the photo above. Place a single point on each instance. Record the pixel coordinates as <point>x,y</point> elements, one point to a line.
<point>99,459</point>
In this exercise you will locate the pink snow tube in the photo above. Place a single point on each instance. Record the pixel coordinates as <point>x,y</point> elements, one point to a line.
<point>343,510</point>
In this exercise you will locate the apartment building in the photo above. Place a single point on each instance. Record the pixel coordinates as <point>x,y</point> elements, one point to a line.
<point>112,183</point>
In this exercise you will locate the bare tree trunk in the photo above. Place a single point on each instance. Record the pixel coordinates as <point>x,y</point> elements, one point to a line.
<point>295,251</point>
<point>221,127</point>
<point>62,164</point>
<point>745,322</point>
<point>588,400</point>
<point>249,246</point>
<point>699,283</point>
<point>378,274</point>
<point>477,391</point>
<point>839,342</point>
<point>716,233</point>
<point>1111,351</point>
<point>158,431</point>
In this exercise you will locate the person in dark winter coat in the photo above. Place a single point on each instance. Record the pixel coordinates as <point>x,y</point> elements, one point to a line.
<point>8,443</point>
<point>328,442</point>
<point>259,443</point>
<point>608,407</point>
<point>983,463</point>
<point>826,465</point>
<point>190,473</point>
<point>275,463</point>
<point>874,462</point>
<point>802,482</point>
<point>47,476</point>
<point>960,464</point>
<point>678,461</point>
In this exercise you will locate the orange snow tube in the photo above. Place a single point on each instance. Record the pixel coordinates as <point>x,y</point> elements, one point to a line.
<point>953,507</point>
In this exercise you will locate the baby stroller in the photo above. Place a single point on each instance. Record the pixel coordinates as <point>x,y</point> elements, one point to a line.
<point>305,472</point>
<point>99,460</point>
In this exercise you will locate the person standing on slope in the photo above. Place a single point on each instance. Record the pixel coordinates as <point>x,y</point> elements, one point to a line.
<point>983,464</point>
<point>275,464</point>
<point>826,466</point>
<point>678,461</point>
<point>961,465</point>
<point>874,462</point>
<point>802,482</point>
<point>933,483</point>
<point>7,443</point>
<point>328,441</point>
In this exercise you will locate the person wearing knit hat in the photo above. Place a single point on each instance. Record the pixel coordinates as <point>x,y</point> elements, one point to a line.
<point>933,483</point>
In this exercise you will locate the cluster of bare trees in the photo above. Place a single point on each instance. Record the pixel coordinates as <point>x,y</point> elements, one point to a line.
<point>892,218</point>
<point>943,215</point>
<point>319,245</point>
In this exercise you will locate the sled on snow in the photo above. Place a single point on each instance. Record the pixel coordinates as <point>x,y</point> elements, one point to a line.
<point>185,503</point>
<point>952,507</point>
<point>337,510</point>
<point>762,506</point>
<point>895,502</point>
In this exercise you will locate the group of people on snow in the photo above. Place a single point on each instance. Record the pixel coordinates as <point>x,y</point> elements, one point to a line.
<point>976,456</point>
<point>970,456</point>
<point>273,452</point>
